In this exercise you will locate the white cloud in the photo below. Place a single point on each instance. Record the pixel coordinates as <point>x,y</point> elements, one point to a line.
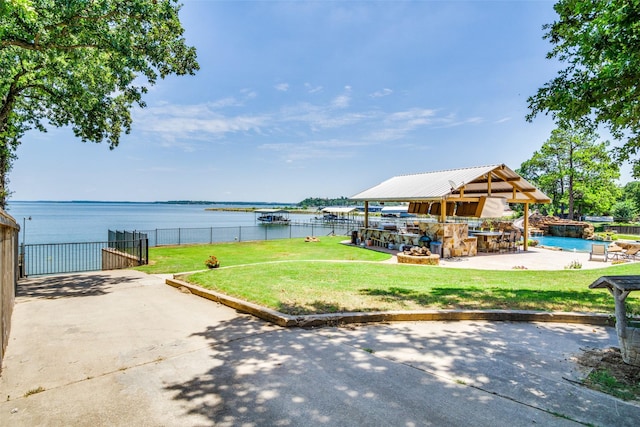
<point>282,87</point>
<point>312,89</point>
<point>381,93</point>
<point>182,126</point>
<point>314,150</point>
<point>341,101</point>
<point>249,93</point>
<point>197,122</point>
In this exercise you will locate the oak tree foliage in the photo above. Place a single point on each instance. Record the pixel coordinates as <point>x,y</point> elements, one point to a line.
<point>83,64</point>
<point>599,42</point>
<point>575,171</point>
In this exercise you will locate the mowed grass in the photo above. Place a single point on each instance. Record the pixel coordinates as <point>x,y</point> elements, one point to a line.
<point>176,259</point>
<point>296,277</point>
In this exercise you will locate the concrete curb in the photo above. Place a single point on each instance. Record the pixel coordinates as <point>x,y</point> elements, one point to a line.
<point>333,319</point>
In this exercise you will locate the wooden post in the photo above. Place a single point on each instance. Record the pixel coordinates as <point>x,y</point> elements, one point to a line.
<point>366,214</point>
<point>525,247</point>
<point>489,185</point>
<point>443,210</point>
<point>621,311</point>
<point>628,336</point>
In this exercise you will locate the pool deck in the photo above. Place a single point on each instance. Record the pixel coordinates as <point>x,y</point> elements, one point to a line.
<point>535,258</point>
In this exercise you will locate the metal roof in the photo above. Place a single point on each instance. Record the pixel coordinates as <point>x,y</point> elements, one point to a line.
<point>467,183</point>
<point>395,209</point>
<point>339,209</point>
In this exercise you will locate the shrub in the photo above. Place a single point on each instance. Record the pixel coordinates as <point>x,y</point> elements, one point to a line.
<point>212,262</point>
<point>574,265</point>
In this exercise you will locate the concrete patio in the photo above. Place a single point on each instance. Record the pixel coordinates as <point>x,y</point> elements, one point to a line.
<point>123,348</point>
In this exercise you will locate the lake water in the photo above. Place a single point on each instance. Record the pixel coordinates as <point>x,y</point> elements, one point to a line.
<point>69,222</point>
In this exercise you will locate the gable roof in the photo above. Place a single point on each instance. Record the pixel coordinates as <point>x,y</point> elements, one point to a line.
<point>465,184</point>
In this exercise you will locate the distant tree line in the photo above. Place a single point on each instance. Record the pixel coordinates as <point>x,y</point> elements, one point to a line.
<point>322,202</point>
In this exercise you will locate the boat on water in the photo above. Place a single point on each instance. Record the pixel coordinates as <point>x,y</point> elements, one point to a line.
<point>273,216</point>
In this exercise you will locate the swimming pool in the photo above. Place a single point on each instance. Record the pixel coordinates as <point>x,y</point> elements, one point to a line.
<point>567,243</point>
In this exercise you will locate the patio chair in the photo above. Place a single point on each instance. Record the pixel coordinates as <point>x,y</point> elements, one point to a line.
<point>514,243</point>
<point>631,253</point>
<point>598,250</point>
<point>510,242</point>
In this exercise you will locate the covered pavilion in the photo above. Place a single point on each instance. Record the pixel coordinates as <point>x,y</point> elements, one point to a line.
<point>480,192</point>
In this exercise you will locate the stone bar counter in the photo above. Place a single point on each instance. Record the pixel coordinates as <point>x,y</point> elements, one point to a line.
<point>454,237</point>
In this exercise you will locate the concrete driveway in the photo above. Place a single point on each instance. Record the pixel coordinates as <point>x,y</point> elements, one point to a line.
<point>123,348</point>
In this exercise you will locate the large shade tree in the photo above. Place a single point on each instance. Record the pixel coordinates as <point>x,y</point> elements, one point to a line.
<point>83,64</point>
<point>576,171</point>
<point>599,41</point>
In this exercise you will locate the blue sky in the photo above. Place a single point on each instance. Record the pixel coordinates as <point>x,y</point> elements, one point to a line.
<point>299,99</point>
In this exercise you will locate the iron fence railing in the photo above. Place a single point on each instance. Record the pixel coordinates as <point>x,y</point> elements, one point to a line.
<point>56,258</point>
<point>129,246</point>
<point>131,242</point>
<point>244,233</point>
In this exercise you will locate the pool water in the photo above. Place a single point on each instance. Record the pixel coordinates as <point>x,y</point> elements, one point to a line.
<point>567,243</point>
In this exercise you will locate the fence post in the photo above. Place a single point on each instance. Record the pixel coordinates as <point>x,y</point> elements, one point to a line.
<point>22,272</point>
<point>210,235</point>
<point>239,233</point>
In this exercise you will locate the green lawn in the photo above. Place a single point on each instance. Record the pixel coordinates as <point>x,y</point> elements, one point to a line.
<point>297,277</point>
<point>175,259</point>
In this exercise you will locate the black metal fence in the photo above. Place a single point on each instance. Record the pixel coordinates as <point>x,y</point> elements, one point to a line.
<point>188,236</point>
<point>131,242</point>
<point>56,258</point>
<point>127,248</point>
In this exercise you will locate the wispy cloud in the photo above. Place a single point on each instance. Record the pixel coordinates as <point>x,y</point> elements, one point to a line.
<point>312,89</point>
<point>196,122</point>
<point>381,93</point>
<point>182,126</point>
<point>282,87</point>
<point>315,149</point>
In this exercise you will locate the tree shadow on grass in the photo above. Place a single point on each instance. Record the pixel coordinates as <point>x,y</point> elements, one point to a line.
<point>71,285</point>
<point>496,298</point>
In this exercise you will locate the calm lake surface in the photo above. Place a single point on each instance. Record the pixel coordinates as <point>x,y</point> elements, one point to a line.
<point>68,222</point>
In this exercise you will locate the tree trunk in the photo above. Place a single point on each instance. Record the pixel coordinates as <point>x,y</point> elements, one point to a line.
<point>5,163</point>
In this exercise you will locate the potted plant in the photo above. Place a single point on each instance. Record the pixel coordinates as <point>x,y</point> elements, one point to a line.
<point>212,262</point>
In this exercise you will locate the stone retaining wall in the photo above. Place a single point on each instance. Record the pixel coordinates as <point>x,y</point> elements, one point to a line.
<point>433,259</point>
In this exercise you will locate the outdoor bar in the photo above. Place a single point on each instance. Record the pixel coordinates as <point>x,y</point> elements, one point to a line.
<point>475,192</point>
